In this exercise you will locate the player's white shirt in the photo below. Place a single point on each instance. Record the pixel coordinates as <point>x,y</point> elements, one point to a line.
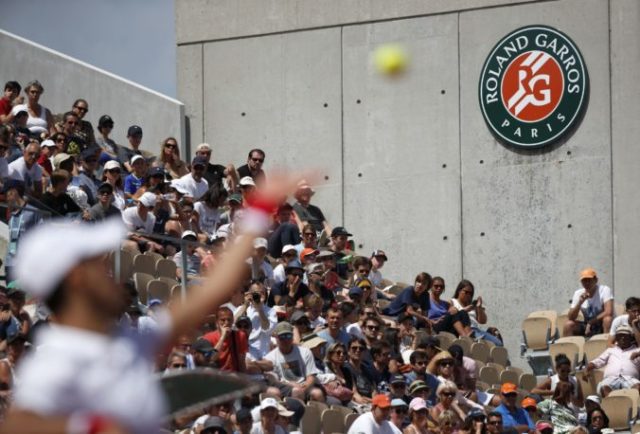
<point>78,371</point>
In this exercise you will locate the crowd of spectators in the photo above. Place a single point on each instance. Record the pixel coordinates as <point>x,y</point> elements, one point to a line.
<point>314,320</point>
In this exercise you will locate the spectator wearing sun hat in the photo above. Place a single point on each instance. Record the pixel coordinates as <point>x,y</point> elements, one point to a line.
<point>375,421</point>
<point>595,301</point>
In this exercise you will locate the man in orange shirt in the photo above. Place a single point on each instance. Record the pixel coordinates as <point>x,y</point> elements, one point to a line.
<point>231,345</point>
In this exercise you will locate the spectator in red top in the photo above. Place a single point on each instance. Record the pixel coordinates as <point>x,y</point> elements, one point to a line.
<point>47,149</point>
<point>230,345</point>
<point>11,91</point>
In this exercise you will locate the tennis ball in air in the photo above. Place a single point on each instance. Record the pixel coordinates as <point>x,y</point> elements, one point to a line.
<point>390,59</point>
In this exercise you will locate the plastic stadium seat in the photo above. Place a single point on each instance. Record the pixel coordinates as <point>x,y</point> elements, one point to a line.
<point>594,347</point>
<point>158,289</point>
<point>618,409</point>
<point>569,348</point>
<point>507,376</point>
<point>536,333</point>
<point>126,265</point>
<point>310,422</point>
<point>619,309</point>
<point>166,268</point>
<point>588,385</point>
<point>464,344</point>
<point>446,339</point>
<point>383,303</point>
<point>551,315</point>
<point>499,355</point>
<point>395,289</point>
<point>489,375</point>
<point>320,405</point>
<point>481,385</point>
<point>342,409</point>
<point>332,421</point>
<point>140,281</point>
<point>497,366</point>
<point>169,281</point>
<point>156,256</point>
<point>527,381</point>
<point>348,420</point>
<point>480,351</point>
<point>563,318</point>
<point>579,341</point>
<point>515,369</point>
<point>600,337</point>
<point>144,264</point>
<point>633,395</point>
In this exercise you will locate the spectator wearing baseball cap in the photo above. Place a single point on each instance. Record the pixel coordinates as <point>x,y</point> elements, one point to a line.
<point>48,149</point>
<point>135,179</point>
<point>125,154</point>
<point>293,289</point>
<point>202,352</point>
<point>308,213</point>
<point>253,168</point>
<point>378,258</point>
<point>376,420</point>
<point>194,181</point>
<point>216,173</point>
<point>398,387</point>
<point>399,410</point>
<point>214,425</point>
<point>595,301</point>
<point>140,220</point>
<point>269,408</point>
<point>105,127</point>
<point>86,179</point>
<point>193,259</point>
<point>339,245</point>
<point>292,382</point>
<point>513,416</point>
<point>285,230</point>
<point>288,254</point>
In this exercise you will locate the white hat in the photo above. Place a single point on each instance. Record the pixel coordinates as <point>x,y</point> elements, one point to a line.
<point>203,147</point>
<point>19,108</point>
<point>223,231</point>
<point>283,411</point>
<point>247,181</point>
<point>268,403</point>
<point>177,185</point>
<point>288,248</point>
<point>136,158</point>
<point>111,164</point>
<point>71,242</point>
<point>48,143</point>
<point>260,243</point>
<point>148,199</point>
<point>186,234</point>
<point>593,398</point>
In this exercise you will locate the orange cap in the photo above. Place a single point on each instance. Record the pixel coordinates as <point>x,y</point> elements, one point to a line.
<point>529,402</point>
<point>508,388</point>
<point>381,401</point>
<point>588,273</point>
<point>307,251</point>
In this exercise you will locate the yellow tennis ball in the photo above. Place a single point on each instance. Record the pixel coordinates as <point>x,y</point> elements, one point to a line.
<point>390,59</point>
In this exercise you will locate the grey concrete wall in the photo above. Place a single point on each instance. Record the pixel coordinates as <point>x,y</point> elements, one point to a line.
<point>65,79</point>
<point>412,167</point>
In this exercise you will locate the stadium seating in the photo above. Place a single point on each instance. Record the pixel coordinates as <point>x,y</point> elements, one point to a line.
<point>619,410</point>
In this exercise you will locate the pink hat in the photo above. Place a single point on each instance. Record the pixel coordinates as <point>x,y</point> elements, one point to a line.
<point>417,404</point>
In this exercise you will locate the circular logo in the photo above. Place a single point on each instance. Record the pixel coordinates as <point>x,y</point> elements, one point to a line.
<point>533,87</point>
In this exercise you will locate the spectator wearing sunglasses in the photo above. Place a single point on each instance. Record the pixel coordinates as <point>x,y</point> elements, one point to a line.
<point>292,291</point>
<point>293,364</point>
<point>86,179</point>
<point>513,416</point>
<point>85,129</point>
<point>399,410</point>
<point>253,168</point>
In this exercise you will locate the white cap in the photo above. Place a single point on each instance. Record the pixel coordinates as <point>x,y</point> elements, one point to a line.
<point>247,181</point>
<point>48,143</point>
<point>203,147</point>
<point>50,250</point>
<point>268,403</point>
<point>111,164</point>
<point>288,248</point>
<point>593,398</point>
<point>148,199</point>
<point>136,158</point>
<point>177,185</point>
<point>223,231</point>
<point>19,108</point>
<point>283,411</point>
<point>260,243</point>
<point>186,234</point>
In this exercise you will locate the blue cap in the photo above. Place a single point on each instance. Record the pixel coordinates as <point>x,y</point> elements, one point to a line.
<point>356,290</point>
<point>154,301</point>
<point>397,402</point>
<point>199,161</point>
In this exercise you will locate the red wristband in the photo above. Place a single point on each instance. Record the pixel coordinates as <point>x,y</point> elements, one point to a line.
<point>97,424</point>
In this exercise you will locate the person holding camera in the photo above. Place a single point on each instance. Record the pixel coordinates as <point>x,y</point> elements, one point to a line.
<point>263,319</point>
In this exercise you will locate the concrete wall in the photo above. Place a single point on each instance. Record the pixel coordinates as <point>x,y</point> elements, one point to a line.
<point>412,168</point>
<point>65,79</point>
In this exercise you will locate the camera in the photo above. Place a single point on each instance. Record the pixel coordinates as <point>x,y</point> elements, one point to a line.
<point>256,297</point>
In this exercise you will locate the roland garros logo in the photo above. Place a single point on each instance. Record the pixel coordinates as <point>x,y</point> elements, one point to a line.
<point>533,87</point>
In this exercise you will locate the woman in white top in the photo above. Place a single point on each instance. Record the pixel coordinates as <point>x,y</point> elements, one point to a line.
<point>463,300</point>
<point>112,175</point>
<point>208,209</point>
<point>40,119</point>
<point>563,373</point>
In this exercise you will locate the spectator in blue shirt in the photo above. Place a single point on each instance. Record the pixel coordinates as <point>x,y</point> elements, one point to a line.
<point>513,416</point>
<point>134,180</point>
<point>413,300</point>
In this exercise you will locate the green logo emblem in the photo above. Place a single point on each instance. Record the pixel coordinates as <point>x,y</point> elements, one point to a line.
<point>533,87</point>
